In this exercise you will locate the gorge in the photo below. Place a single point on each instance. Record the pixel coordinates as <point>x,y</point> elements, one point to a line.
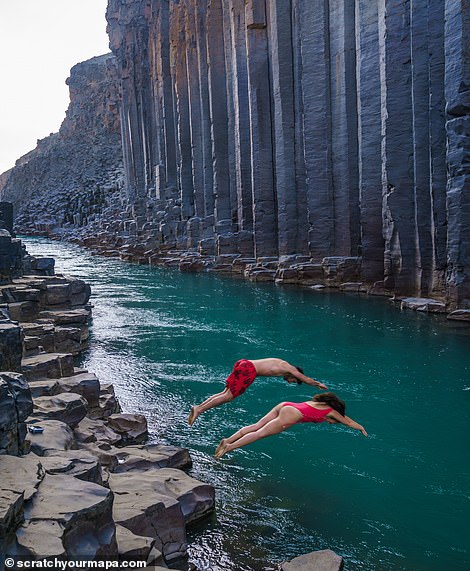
<point>292,140</point>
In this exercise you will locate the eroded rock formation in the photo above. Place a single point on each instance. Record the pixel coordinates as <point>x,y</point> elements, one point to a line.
<point>74,175</point>
<point>279,128</point>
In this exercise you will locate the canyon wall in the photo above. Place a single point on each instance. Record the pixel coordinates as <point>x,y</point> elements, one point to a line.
<point>302,129</point>
<point>74,175</point>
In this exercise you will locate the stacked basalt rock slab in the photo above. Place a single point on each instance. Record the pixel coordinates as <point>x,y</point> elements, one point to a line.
<point>78,479</point>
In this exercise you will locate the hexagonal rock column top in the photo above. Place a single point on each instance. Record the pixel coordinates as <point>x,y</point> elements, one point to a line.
<point>56,436</point>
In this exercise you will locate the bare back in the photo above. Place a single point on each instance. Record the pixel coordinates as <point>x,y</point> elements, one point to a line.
<point>271,367</point>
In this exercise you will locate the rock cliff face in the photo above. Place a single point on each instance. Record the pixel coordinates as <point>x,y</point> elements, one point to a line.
<point>318,140</point>
<point>318,128</point>
<point>73,175</point>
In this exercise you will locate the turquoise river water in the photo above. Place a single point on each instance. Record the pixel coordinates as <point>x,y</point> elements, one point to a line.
<point>398,500</point>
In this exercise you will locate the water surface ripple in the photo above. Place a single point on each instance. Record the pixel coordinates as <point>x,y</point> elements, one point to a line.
<point>396,501</point>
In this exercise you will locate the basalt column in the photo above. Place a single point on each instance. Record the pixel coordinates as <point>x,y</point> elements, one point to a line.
<point>165,135</point>
<point>457,81</point>
<point>343,108</point>
<point>314,38</point>
<point>437,143</point>
<point>397,146</point>
<point>264,203</point>
<point>179,72</point>
<point>196,128</point>
<point>238,110</point>
<point>369,140</point>
<point>332,129</point>
<point>280,16</point>
<point>221,123</point>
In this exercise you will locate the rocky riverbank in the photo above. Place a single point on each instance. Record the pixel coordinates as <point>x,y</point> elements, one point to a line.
<point>79,479</point>
<point>334,273</point>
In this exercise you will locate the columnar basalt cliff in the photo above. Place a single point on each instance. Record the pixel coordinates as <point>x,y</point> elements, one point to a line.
<point>330,132</point>
<point>74,175</point>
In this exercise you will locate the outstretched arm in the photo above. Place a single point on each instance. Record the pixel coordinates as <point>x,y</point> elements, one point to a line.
<point>347,421</point>
<point>294,372</point>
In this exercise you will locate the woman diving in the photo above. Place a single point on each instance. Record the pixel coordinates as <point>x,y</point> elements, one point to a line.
<point>324,407</point>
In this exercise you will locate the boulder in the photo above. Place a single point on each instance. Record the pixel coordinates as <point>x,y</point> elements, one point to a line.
<point>195,498</point>
<point>108,405</point>
<point>42,331</point>
<point>324,560</point>
<point>131,427</point>
<point>459,315</point>
<point>151,457</point>
<point>45,388</point>
<point>23,310</point>
<point>56,436</point>
<point>423,304</point>
<point>85,384</point>
<point>83,512</point>
<point>78,463</point>
<point>105,453</point>
<point>142,509</point>
<point>68,340</point>
<point>21,475</point>
<point>11,515</point>
<point>66,317</point>
<point>43,266</point>
<point>47,366</point>
<point>93,430</point>
<point>133,547</point>
<point>353,287</point>
<point>66,407</point>
<point>40,540</point>
<point>58,294</point>
<point>80,292</point>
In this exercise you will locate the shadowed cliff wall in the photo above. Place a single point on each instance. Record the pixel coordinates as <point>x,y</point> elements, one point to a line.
<point>315,127</point>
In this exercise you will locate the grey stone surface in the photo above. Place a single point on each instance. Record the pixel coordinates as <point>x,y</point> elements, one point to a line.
<point>83,511</point>
<point>324,560</point>
<point>65,407</point>
<point>151,457</point>
<point>131,427</point>
<point>423,304</point>
<point>56,436</point>
<point>77,463</point>
<point>85,384</point>
<point>138,508</point>
<point>47,366</point>
<point>133,547</point>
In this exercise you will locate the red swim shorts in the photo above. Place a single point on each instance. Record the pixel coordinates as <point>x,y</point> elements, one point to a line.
<point>243,374</point>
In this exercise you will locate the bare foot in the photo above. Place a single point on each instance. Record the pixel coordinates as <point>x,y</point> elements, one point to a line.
<point>221,444</point>
<point>221,448</point>
<point>192,415</point>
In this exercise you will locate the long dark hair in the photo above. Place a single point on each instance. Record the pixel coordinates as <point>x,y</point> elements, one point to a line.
<point>331,400</point>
